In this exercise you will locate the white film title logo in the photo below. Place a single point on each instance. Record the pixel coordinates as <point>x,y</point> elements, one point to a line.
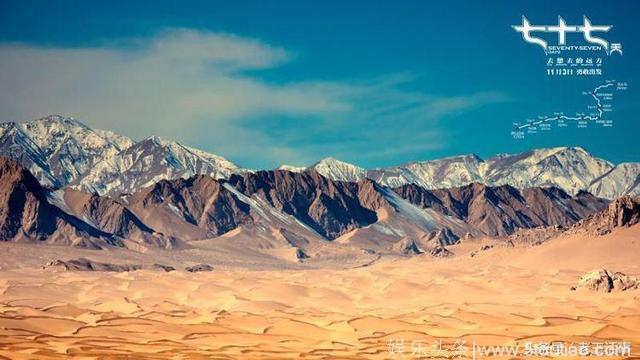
<point>587,29</point>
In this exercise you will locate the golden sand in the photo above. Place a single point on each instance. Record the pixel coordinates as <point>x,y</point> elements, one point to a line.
<point>501,296</point>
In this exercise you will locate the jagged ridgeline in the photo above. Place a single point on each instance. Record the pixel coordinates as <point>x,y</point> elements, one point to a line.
<point>303,210</point>
<point>65,183</point>
<point>62,151</point>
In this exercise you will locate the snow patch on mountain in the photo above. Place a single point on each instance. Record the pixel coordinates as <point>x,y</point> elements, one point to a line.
<point>295,169</point>
<point>339,170</point>
<point>441,173</point>
<point>623,179</point>
<point>149,161</point>
<point>16,144</point>
<point>571,169</point>
<point>71,147</point>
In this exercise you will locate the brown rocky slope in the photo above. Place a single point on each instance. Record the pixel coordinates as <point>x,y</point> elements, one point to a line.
<point>28,214</point>
<point>171,213</point>
<point>501,210</point>
<point>622,212</point>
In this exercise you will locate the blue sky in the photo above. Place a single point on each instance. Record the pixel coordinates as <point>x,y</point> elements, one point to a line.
<point>263,83</point>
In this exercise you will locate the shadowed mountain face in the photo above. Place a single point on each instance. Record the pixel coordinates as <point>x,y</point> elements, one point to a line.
<point>331,208</point>
<point>194,208</point>
<point>112,217</point>
<point>28,212</point>
<point>503,209</point>
<point>23,209</point>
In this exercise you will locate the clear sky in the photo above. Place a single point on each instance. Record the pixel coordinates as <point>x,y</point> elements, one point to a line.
<point>375,83</point>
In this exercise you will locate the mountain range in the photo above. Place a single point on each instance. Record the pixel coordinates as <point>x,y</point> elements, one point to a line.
<point>63,152</point>
<point>276,208</point>
<point>571,169</point>
<point>62,182</point>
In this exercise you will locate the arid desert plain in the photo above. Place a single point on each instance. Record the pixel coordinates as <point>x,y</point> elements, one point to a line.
<point>395,307</point>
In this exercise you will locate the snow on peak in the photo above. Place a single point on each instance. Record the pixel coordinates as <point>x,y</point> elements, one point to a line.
<point>291,168</point>
<point>121,142</point>
<point>58,149</point>
<point>623,179</point>
<point>156,140</point>
<point>569,168</point>
<point>8,126</point>
<point>61,150</point>
<point>71,147</point>
<point>339,170</point>
<point>432,174</point>
<point>149,161</point>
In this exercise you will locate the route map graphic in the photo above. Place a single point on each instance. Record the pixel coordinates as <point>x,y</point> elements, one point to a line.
<point>597,114</point>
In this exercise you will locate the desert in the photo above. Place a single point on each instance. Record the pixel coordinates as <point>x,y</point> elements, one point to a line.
<point>501,296</point>
<point>319,180</point>
<point>316,263</point>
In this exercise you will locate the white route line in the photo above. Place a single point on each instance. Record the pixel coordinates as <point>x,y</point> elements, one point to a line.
<point>593,94</point>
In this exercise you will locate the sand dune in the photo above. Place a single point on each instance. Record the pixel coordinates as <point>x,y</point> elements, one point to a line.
<point>499,296</point>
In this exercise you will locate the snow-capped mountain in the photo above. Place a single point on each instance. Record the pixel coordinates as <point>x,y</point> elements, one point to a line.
<point>71,147</point>
<point>62,151</point>
<point>569,168</point>
<point>275,209</point>
<point>339,170</point>
<point>149,161</point>
<point>57,149</point>
<point>623,179</point>
<point>433,174</point>
<point>15,144</point>
<point>295,169</point>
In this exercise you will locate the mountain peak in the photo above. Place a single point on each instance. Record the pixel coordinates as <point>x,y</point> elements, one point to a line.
<point>64,148</point>
<point>339,170</point>
<point>157,141</point>
<point>295,169</point>
<point>472,156</point>
<point>54,120</point>
<point>333,162</point>
<point>61,150</point>
<point>449,159</point>
<point>149,161</point>
<point>329,160</point>
<point>560,150</point>
<point>57,118</point>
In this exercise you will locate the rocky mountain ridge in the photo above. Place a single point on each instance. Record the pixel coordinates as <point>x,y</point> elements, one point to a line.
<point>62,152</point>
<point>622,212</point>
<point>304,211</point>
<point>571,169</point>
